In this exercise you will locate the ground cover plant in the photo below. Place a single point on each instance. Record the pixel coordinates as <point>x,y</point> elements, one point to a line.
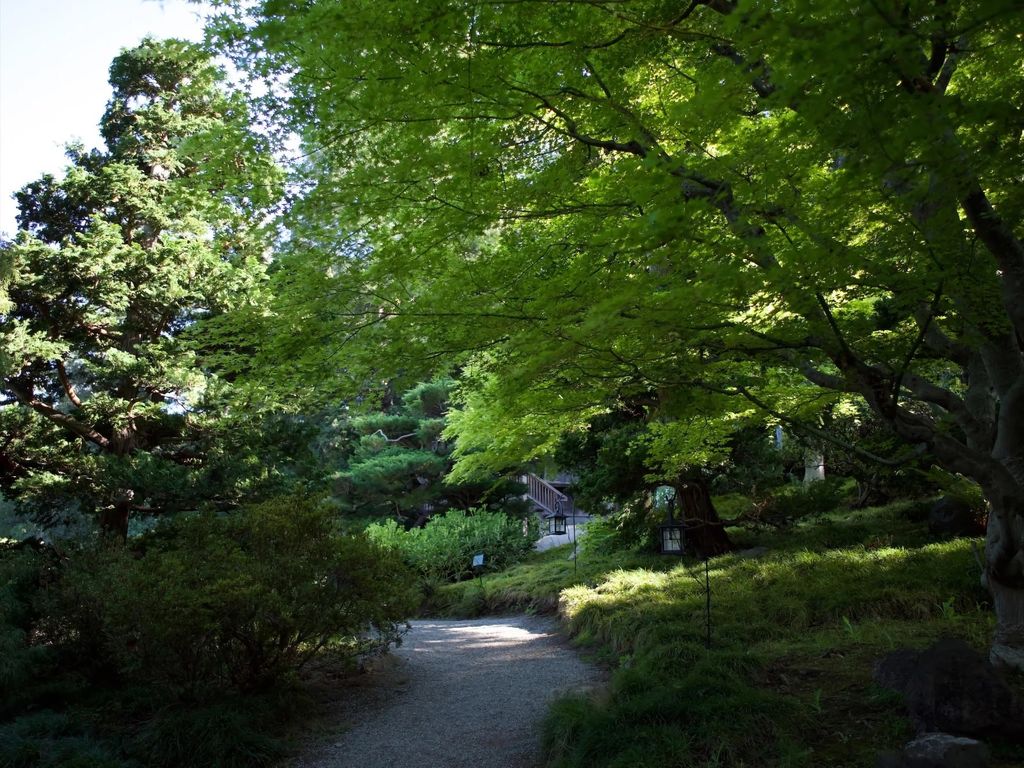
<point>183,648</point>
<point>795,633</point>
<point>535,584</point>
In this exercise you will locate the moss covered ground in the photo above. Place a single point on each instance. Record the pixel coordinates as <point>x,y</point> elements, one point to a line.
<point>795,632</point>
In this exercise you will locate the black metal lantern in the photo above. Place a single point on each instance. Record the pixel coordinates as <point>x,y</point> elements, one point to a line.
<point>672,535</point>
<point>556,523</point>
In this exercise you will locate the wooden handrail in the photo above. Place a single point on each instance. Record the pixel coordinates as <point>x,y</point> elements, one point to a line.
<point>546,496</point>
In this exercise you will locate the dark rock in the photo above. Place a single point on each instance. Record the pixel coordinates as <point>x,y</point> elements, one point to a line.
<point>895,669</point>
<point>941,750</point>
<point>951,516</point>
<point>937,750</point>
<point>952,688</point>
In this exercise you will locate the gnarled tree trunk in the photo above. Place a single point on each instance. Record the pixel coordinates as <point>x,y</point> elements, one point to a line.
<point>114,519</point>
<point>1004,578</point>
<point>703,526</point>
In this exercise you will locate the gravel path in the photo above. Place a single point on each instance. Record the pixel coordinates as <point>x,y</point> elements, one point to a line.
<point>457,694</point>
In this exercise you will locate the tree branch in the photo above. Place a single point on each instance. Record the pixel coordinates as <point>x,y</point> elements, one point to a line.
<point>393,439</point>
<point>69,388</point>
<point>1003,244</point>
<point>819,433</point>
<point>26,397</point>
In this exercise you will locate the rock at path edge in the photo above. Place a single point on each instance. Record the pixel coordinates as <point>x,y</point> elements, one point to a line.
<point>951,688</point>
<point>938,750</point>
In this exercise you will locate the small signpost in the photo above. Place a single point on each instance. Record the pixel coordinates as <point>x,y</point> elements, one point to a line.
<point>478,566</point>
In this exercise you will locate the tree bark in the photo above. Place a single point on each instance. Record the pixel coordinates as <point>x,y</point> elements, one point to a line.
<point>1008,640</point>
<point>114,519</point>
<point>703,525</point>
<point>1004,578</point>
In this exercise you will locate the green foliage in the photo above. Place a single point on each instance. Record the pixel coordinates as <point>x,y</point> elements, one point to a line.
<point>601,536</point>
<point>444,547</point>
<point>218,602</point>
<point>960,488</point>
<point>609,459</point>
<point>428,399</point>
<point>390,477</point>
<point>732,505</point>
<point>725,213</point>
<point>795,500</point>
<point>399,463</point>
<point>50,740</point>
<point>233,733</point>
<point>633,526</point>
<point>182,650</point>
<point>106,404</point>
<point>754,463</point>
<point>23,664</point>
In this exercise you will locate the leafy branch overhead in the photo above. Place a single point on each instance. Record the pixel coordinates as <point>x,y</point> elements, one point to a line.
<point>590,203</point>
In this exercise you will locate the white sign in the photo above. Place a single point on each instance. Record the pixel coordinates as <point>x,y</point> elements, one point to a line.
<point>478,560</point>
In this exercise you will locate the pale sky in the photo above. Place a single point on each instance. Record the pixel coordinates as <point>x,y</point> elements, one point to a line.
<point>54,57</point>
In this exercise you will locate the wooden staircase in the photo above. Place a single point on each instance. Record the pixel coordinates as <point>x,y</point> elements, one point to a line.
<point>549,499</point>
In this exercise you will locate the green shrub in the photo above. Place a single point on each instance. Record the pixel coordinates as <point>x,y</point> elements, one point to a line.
<point>23,664</point>
<point>634,525</point>
<point>958,487</point>
<point>601,537</point>
<point>51,740</point>
<point>227,601</point>
<point>445,546</point>
<point>794,501</point>
<point>729,506</point>
<point>234,733</point>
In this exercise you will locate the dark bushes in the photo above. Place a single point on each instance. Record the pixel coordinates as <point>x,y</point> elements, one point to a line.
<point>202,610</point>
<point>235,601</point>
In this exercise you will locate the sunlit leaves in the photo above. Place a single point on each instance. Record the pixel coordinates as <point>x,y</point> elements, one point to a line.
<point>582,203</point>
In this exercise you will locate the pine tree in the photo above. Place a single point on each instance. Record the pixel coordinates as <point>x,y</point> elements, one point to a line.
<point>112,263</point>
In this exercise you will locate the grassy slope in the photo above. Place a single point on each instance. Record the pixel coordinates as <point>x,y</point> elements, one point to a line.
<point>787,681</point>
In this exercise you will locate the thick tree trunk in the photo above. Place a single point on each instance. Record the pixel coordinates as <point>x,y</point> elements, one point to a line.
<point>703,526</point>
<point>1008,639</point>
<point>1004,578</point>
<point>114,519</point>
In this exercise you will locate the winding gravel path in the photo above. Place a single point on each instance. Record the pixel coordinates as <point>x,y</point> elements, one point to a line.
<point>457,694</point>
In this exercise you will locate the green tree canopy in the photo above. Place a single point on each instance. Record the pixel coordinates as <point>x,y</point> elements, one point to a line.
<point>104,402</point>
<point>581,201</point>
<point>398,463</point>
